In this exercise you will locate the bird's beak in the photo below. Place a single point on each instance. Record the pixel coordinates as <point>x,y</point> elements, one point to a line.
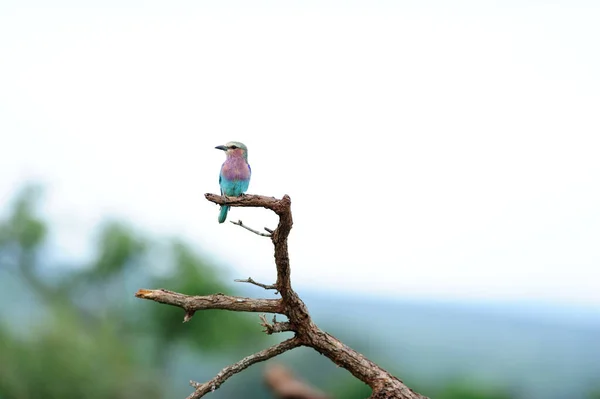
<point>221,147</point>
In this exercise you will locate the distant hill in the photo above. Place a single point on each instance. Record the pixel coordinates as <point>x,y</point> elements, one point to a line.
<point>533,350</point>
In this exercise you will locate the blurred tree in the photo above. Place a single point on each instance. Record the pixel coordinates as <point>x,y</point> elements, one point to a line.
<point>212,330</point>
<point>594,394</point>
<point>85,340</point>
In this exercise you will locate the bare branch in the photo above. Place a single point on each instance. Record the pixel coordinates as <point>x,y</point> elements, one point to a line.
<point>384,384</point>
<point>239,223</point>
<point>251,281</point>
<point>248,200</point>
<point>215,383</point>
<point>276,327</point>
<point>191,303</point>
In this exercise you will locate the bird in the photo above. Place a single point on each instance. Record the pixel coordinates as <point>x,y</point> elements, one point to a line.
<point>235,173</point>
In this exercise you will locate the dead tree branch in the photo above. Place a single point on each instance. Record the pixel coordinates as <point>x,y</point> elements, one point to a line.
<point>216,301</point>
<point>249,280</point>
<point>383,384</point>
<point>203,389</point>
<point>239,223</point>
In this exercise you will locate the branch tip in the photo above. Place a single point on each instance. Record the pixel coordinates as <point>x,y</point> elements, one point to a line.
<point>251,281</point>
<point>188,315</point>
<point>144,294</point>
<point>241,224</point>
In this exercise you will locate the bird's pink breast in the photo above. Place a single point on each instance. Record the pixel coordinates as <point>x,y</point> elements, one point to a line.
<point>235,168</point>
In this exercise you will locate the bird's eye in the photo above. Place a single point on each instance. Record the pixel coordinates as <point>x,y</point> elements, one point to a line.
<point>233,147</point>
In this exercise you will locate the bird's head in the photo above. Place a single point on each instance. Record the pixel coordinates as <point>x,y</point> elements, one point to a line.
<point>234,149</point>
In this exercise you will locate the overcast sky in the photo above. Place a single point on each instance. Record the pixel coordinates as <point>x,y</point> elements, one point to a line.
<point>430,150</point>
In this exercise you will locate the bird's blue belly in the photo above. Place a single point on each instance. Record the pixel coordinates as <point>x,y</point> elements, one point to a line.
<point>234,188</point>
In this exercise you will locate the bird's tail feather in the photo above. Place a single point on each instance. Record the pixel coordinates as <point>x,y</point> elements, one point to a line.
<point>223,213</point>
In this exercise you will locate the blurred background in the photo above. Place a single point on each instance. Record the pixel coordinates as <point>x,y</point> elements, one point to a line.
<point>442,160</point>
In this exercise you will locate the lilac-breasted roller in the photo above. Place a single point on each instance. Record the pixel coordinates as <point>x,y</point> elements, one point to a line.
<point>235,173</point>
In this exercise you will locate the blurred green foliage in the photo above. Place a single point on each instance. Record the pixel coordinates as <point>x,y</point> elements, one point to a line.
<point>464,389</point>
<point>89,337</point>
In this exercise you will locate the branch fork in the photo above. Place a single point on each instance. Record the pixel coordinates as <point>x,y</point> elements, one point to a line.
<point>306,332</point>
<point>275,326</point>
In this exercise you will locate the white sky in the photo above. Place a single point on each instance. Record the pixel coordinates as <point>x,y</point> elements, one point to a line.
<point>430,150</point>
